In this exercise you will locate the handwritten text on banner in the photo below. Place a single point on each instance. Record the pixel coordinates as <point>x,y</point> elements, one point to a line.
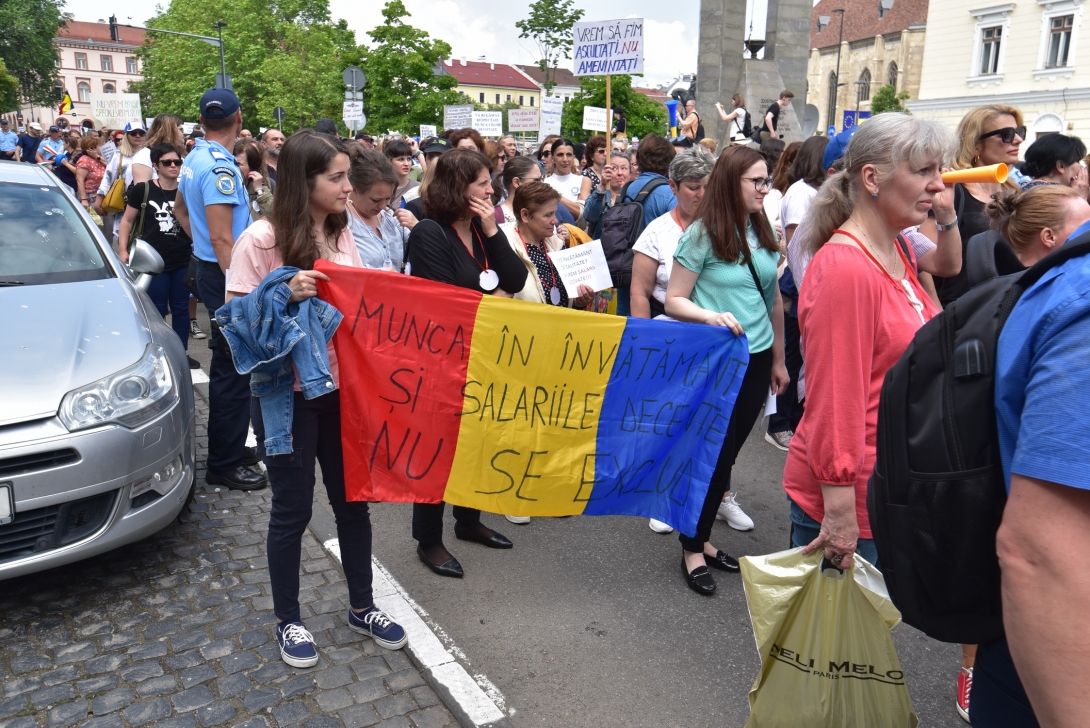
<point>607,47</point>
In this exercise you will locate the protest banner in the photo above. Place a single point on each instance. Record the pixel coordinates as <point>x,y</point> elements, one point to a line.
<point>525,409</point>
<point>606,47</point>
<point>582,265</point>
<point>488,123</point>
<point>427,130</point>
<point>116,110</point>
<point>457,117</point>
<point>595,118</point>
<point>552,108</point>
<point>522,120</point>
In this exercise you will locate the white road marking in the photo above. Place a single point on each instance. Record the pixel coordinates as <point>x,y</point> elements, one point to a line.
<point>481,700</point>
<point>199,377</point>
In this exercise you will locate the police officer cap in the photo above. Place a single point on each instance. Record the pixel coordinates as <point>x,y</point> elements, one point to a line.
<point>219,103</point>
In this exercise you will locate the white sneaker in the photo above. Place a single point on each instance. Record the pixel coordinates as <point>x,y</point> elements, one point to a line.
<point>520,520</point>
<point>660,527</point>
<point>732,513</point>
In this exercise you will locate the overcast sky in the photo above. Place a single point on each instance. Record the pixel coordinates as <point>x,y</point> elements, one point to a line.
<point>487,27</point>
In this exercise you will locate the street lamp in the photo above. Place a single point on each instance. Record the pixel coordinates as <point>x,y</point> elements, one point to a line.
<point>217,42</point>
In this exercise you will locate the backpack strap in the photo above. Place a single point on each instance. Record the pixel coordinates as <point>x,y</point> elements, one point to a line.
<point>907,250</point>
<point>648,188</point>
<point>138,228</point>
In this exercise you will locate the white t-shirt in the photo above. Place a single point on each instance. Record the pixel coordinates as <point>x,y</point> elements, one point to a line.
<point>567,185</point>
<point>772,206</point>
<point>796,203</point>
<point>658,241</point>
<point>144,157</point>
<point>736,125</point>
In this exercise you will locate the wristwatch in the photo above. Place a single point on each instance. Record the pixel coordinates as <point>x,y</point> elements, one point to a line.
<point>948,226</point>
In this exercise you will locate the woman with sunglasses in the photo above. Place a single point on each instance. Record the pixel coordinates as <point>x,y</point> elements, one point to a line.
<point>987,135</point>
<point>165,129</point>
<point>594,157</point>
<point>545,154</point>
<point>725,274</point>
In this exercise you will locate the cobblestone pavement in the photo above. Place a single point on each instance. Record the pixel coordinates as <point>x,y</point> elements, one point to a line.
<point>177,631</point>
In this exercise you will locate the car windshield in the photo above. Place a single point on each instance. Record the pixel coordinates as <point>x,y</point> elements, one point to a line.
<point>43,239</point>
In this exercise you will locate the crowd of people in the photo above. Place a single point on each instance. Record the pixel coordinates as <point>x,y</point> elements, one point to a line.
<point>829,254</point>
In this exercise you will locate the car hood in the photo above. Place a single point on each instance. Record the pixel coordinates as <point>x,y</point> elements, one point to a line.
<point>54,338</point>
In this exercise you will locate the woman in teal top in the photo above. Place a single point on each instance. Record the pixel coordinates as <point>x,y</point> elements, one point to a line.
<point>723,278</point>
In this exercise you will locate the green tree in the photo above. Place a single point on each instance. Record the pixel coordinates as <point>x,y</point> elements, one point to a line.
<point>403,86</point>
<point>282,54</point>
<point>550,25</point>
<point>887,99</point>
<point>645,116</point>
<point>9,89</point>
<point>27,49</point>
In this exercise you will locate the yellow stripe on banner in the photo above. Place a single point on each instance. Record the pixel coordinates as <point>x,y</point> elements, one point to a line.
<point>536,383</point>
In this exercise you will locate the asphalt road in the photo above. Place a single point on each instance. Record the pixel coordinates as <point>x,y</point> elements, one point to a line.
<point>587,621</point>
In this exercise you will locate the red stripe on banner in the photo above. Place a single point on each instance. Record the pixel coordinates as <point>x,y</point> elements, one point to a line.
<point>403,351</point>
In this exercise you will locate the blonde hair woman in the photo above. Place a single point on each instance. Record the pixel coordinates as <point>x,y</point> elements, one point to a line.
<point>165,129</point>
<point>1039,220</point>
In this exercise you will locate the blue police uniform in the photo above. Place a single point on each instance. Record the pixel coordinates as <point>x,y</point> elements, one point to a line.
<point>210,176</point>
<point>8,140</point>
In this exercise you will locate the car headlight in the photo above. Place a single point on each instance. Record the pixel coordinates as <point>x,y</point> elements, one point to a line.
<point>130,397</point>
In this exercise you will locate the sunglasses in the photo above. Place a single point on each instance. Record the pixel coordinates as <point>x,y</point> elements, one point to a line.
<point>170,162</point>
<point>1006,134</point>
<point>546,154</point>
<point>137,133</point>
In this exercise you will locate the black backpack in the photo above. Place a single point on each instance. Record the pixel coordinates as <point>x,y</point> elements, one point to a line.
<point>747,125</point>
<point>937,494</point>
<point>619,229</point>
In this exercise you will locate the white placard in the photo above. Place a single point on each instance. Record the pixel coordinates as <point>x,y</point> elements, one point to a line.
<point>426,130</point>
<point>488,123</point>
<point>552,108</point>
<point>770,404</point>
<point>457,117</point>
<point>608,46</point>
<point>353,111</point>
<point>188,127</point>
<point>595,118</point>
<point>116,110</point>
<point>148,122</point>
<point>522,120</point>
<point>582,265</point>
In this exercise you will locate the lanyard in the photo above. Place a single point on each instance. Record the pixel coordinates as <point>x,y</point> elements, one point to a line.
<point>677,218</point>
<point>549,263</point>
<point>484,250</point>
<point>903,284</point>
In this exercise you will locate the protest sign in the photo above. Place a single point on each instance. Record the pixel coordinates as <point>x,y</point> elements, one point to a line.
<point>582,265</point>
<point>488,123</point>
<point>608,46</point>
<point>552,108</point>
<point>520,408</point>
<point>522,120</point>
<point>352,111</point>
<point>116,110</point>
<point>595,118</point>
<point>427,130</point>
<point>457,117</point>
<point>188,127</point>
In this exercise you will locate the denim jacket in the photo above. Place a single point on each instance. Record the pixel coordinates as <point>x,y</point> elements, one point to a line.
<point>267,335</point>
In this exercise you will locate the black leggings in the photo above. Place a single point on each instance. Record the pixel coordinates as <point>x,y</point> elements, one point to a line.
<point>748,406</point>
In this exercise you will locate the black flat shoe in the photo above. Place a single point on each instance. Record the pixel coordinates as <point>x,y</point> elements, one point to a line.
<point>249,456</point>
<point>240,478</point>
<point>482,535</point>
<point>449,568</point>
<point>722,561</point>
<point>700,580</point>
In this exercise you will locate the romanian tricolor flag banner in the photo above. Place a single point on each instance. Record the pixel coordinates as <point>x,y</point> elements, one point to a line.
<point>526,409</point>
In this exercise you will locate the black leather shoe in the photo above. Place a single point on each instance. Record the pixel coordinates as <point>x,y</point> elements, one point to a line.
<point>448,568</point>
<point>722,561</point>
<point>482,535</point>
<point>249,456</point>
<point>241,478</point>
<point>700,580</point>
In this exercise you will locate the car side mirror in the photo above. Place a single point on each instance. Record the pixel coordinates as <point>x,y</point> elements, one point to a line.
<point>145,262</point>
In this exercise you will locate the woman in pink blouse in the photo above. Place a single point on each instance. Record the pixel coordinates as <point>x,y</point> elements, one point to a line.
<point>858,310</point>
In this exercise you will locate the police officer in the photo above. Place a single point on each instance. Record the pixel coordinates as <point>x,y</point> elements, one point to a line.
<point>213,206</point>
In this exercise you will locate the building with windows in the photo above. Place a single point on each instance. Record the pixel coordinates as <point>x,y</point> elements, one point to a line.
<point>493,83</point>
<point>1023,54</point>
<point>92,58</point>
<point>567,83</point>
<point>874,43</point>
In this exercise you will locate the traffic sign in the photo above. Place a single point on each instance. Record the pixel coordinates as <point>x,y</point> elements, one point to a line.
<point>278,113</point>
<point>354,78</point>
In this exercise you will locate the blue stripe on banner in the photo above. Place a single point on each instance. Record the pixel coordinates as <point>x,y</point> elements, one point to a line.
<point>663,420</point>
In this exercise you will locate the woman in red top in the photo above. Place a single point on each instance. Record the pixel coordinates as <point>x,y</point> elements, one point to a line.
<point>858,310</point>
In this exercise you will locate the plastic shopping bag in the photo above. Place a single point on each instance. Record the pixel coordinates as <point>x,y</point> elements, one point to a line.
<point>827,656</point>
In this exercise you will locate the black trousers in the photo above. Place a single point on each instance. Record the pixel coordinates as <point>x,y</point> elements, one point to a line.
<point>316,437</point>
<point>998,699</point>
<point>428,521</point>
<point>228,391</point>
<point>748,406</point>
<point>788,407</point>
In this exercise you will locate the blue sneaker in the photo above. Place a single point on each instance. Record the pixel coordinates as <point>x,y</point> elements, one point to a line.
<point>296,644</point>
<point>377,625</point>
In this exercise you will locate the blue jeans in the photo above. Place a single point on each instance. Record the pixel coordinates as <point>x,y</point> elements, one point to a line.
<point>624,302</point>
<point>805,529</point>
<point>166,290</point>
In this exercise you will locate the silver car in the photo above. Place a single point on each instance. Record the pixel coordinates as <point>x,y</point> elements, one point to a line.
<point>97,433</point>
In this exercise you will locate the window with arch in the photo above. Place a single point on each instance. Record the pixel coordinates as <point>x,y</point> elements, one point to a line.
<point>84,91</point>
<point>864,85</point>
<point>830,112</point>
<point>109,88</point>
<point>891,75</point>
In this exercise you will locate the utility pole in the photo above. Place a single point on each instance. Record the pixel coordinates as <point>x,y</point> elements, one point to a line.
<point>218,42</point>
<point>223,64</point>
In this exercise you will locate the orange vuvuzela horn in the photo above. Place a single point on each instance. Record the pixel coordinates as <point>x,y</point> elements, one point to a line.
<point>995,173</point>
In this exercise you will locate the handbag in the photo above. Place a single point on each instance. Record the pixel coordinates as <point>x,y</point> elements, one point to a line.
<point>114,202</point>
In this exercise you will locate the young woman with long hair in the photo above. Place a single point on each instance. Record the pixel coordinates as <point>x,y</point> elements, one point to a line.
<point>309,222</point>
<point>736,118</point>
<point>725,274</point>
<point>518,171</point>
<point>165,129</point>
<point>250,156</point>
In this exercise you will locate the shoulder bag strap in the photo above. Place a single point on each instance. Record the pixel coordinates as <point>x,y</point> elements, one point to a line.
<point>753,272</point>
<point>138,229</point>
<point>907,250</point>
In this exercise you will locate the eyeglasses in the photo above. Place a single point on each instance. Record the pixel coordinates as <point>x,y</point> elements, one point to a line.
<point>1006,134</point>
<point>170,162</point>
<point>760,184</point>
